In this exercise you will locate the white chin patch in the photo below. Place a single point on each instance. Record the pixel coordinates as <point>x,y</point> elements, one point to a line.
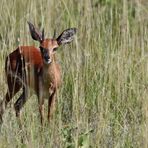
<point>48,62</point>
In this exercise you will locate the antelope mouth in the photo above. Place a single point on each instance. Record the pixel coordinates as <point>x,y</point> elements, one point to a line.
<point>47,61</point>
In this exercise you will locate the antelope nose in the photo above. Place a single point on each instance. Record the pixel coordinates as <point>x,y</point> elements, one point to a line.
<point>47,59</point>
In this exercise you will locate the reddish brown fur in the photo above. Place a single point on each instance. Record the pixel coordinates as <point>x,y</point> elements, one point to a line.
<point>36,68</point>
<point>28,59</point>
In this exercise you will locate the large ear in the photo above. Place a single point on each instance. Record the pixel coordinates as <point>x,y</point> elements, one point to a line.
<point>35,34</point>
<point>66,36</point>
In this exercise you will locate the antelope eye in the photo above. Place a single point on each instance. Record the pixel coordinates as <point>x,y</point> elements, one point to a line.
<point>42,49</point>
<point>54,49</point>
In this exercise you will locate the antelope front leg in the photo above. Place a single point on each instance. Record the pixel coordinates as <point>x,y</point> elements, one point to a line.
<point>41,104</point>
<point>51,103</point>
<point>41,110</point>
<point>39,91</point>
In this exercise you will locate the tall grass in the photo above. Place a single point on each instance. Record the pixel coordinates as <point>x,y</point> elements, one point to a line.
<point>103,99</point>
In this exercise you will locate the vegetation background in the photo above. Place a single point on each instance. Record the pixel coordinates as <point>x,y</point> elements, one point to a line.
<point>103,101</point>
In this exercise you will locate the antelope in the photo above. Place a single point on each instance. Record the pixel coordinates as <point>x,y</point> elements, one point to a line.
<point>36,68</point>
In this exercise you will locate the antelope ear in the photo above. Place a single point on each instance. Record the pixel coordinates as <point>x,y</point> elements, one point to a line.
<point>35,34</point>
<point>66,36</point>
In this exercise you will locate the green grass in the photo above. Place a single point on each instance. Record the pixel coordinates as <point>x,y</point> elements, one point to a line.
<point>103,99</point>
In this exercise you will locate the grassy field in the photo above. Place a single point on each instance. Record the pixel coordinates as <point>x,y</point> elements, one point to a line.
<point>103,101</point>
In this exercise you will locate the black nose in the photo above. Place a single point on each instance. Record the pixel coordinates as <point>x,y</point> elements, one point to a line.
<point>46,57</point>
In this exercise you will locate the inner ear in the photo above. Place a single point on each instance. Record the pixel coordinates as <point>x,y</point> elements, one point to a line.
<point>66,36</point>
<point>35,34</point>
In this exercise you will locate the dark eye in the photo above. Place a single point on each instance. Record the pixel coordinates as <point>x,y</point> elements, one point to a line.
<point>42,49</point>
<point>54,49</point>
